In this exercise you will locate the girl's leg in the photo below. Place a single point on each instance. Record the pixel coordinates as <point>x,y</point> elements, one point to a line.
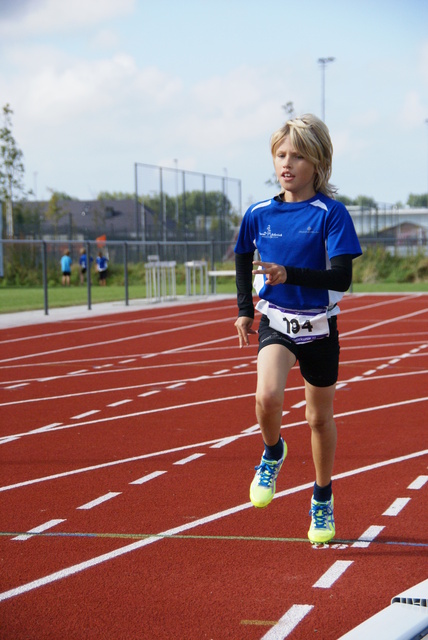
<point>273,365</point>
<point>319,414</point>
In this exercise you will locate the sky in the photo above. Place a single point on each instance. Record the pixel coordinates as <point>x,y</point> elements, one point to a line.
<point>200,85</point>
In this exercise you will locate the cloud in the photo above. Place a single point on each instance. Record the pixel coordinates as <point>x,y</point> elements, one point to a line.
<point>24,18</point>
<point>413,112</point>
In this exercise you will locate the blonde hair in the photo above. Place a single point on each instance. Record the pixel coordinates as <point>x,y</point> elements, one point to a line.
<point>310,137</point>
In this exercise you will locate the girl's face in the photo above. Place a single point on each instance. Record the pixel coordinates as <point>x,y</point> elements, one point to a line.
<point>295,174</point>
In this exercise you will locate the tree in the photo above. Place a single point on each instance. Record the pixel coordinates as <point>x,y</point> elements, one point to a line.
<point>11,168</point>
<point>418,200</point>
<point>55,210</point>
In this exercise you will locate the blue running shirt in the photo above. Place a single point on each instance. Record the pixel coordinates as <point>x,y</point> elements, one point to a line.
<point>299,234</point>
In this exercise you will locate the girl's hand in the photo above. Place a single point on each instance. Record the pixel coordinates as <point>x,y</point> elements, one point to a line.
<point>275,273</point>
<point>243,326</point>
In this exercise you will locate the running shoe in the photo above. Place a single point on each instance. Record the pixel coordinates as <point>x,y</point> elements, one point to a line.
<point>262,489</point>
<point>322,527</point>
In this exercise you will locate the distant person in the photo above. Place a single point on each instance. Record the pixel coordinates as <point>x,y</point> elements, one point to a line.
<point>66,268</point>
<point>306,241</point>
<point>102,265</point>
<point>83,262</point>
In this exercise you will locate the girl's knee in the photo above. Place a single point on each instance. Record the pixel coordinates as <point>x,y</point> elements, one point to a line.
<point>269,402</point>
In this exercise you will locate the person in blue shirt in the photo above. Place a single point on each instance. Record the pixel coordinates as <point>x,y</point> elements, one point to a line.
<point>83,262</point>
<point>306,242</point>
<point>66,268</point>
<point>102,264</point>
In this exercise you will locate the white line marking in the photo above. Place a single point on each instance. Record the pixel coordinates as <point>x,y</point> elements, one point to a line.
<point>218,373</point>
<point>418,483</point>
<point>298,405</point>
<point>85,415</point>
<point>100,500</point>
<point>39,529</point>
<point>394,361</point>
<point>195,456</point>
<point>147,478</point>
<point>118,403</point>
<point>367,537</point>
<point>395,375</point>
<point>176,385</point>
<point>332,574</point>
<point>75,373</point>
<point>148,393</point>
<point>6,439</point>
<point>288,622</point>
<point>369,373</point>
<point>127,361</point>
<point>396,507</point>
<point>64,573</point>
<point>224,442</point>
<point>17,386</point>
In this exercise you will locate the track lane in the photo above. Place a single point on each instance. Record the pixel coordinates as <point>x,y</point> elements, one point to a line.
<point>221,617</point>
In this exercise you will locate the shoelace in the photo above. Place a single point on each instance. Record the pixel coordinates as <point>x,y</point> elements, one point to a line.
<point>267,473</point>
<point>320,513</point>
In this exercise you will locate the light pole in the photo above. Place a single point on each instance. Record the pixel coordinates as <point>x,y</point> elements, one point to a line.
<point>426,122</point>
<point>323,62</point>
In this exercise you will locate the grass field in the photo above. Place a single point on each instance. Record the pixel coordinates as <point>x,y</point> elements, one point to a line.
<point>14,299</point>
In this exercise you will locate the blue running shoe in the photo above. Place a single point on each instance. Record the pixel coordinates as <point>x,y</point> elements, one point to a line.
<point>262,489</point>
<point>322,527</point>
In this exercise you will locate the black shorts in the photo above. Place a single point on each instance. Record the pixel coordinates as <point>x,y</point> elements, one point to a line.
<point>102,274</point>
<point>318,359</point>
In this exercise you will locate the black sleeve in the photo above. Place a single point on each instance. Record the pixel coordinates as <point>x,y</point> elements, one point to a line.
<point>338,278</point>
<point>244,283</point>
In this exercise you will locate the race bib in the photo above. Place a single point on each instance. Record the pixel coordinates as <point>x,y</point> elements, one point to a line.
<point>298,326</point>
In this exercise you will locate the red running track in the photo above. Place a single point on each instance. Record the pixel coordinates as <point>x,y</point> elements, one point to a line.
<point>128,444</point>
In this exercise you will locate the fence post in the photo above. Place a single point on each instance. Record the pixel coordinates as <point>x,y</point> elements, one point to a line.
<point>125,269</point>
<point>88,273</point>
<point>45,277</point>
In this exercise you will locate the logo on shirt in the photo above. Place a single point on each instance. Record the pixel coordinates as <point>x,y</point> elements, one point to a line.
<point>269,233</point>
<point>309,230</point>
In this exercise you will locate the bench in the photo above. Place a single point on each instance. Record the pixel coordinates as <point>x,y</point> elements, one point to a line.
<point>218,274</point>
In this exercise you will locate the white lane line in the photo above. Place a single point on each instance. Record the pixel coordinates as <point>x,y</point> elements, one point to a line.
<point>298,405</point>
<point>148,477</point>
<point>288,622</point>
<point>85,415</point>
<point>39,529</point>
<point>148,393</point>
<point>48,427</point>
<point>77,568</point>
<point>332,574</point>
<point>218,373</point>
<point>119,402</point>
<point>367,537</point>
<point>76,373</point>
<point>225,442</point>
<point>146,456</point>
<point>195,456</point>
<point>176,385</point>
<point>100,500</point>
<point>127,361</point>
<point>396,507</point>
<point>17,386</point>
<point>418,483</point>
<point>6,439</point>
<point>370,372</point>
